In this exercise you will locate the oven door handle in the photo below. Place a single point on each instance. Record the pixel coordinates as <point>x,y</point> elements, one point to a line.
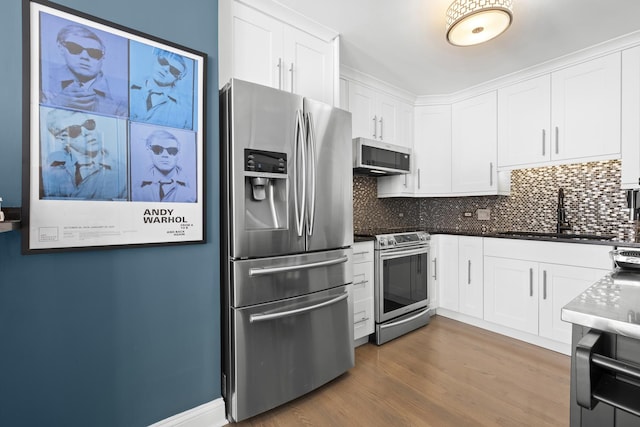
<point>402,253</point>
<point>261,271</point>
<point>280,314</point>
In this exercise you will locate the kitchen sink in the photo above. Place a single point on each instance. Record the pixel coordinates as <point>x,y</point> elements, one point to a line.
<point>534,234</point>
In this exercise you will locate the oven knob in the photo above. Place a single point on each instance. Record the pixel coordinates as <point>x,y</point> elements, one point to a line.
<point>383,241</point>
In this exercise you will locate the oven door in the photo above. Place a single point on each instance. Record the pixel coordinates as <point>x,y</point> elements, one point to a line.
<point>401,282</point>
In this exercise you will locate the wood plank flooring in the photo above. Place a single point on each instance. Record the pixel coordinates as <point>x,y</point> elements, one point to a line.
<point>445,374</point>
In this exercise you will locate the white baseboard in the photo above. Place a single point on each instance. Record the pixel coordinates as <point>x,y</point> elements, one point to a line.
<point>556,346</point>
<point>210,414</point>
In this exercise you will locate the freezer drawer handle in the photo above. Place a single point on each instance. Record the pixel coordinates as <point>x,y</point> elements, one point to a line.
<point>261,271</point>
<point>271,316</point>
<point>597,377</point>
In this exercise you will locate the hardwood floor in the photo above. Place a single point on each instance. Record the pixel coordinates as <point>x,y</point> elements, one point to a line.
<point>445,374</point>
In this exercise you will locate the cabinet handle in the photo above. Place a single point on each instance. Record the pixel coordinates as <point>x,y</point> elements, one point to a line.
<point>279,73</point>
<point>544,284</point>
<point>405,180</point>
<point>531,282</point>
<point>291,71</point>
<point>418,178</point>
<point>375,127</point>
<point>544,141</point>
<point>557,140</point>
<point>364,319</point>
<point>491,174</point>
<point>468,272</point>
<point>381,127</point>
<point>435,269</point>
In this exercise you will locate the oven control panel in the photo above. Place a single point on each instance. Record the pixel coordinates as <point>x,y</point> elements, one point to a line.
<point>388,241</point>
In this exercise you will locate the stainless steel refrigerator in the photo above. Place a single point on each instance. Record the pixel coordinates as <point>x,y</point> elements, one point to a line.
<point>287,232</point>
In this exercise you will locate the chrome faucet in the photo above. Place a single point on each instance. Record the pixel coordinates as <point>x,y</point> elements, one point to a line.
<point>562,223</point>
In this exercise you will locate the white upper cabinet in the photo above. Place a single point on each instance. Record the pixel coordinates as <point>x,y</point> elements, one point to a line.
<point>432,150</point>
<point>265,50</point>
<point>308,65</point>
<point>379,116</point>
<point>631,118</point>
<point>572,114</point>
<point>585,109</point>
<point>474,145</point>
<point>524,114</point>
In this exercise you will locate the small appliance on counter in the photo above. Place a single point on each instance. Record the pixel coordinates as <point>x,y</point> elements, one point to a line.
<point>626,259</point>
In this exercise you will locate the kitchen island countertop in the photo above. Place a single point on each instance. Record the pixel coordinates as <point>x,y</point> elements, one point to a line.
<point>612,304</point>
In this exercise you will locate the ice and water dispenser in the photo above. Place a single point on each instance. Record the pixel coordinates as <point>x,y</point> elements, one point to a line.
<point>265,190</point>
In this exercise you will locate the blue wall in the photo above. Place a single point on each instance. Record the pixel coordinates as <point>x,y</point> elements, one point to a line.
<point>121,337</point>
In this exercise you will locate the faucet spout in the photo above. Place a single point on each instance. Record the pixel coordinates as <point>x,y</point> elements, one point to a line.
<point>561,223</point>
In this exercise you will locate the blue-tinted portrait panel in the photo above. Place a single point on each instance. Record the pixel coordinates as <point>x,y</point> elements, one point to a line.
<point>161,87</point>
<point>83,156</point>
<point>163,164</point>
<point>82,68</point>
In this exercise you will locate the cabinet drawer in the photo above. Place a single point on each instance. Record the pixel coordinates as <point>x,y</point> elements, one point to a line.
<point>362,281</point>
<point>363,324</point>
<point>363,252</point>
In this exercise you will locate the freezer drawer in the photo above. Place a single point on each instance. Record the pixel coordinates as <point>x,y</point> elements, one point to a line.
<point>262,280</point>
<point>285,349</point>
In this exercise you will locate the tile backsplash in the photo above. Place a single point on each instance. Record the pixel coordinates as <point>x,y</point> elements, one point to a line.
<point>593,200</point>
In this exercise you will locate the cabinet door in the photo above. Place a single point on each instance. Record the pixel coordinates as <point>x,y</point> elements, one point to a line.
<point>585,109</point>
<point>447,272</point>
<point>629,119</point>
<point>401,185</point>
<point>308,65</point>
<point>364,120</point>
<point>524,116</point>
<point>511,293</point>
<point>559,285</point>
<point>388,111</point>
<point>471,276</point>
<point>474,145</point>
<point>257,47</point>
<point>432,150</point>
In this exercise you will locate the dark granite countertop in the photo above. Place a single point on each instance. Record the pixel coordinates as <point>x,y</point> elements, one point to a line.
<point>592,238</point>
<point>612,304</point>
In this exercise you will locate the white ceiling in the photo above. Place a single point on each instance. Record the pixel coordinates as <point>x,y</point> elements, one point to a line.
<point>402,42</point>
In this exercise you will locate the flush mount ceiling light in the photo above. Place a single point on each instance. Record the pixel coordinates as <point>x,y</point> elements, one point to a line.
<point>472,22</point>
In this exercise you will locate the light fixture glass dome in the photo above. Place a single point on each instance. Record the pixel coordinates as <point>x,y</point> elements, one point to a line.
<point>471,22</point>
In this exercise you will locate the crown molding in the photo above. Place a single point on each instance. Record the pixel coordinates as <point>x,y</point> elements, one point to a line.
<point>349,73</point>
<point>291,17</point>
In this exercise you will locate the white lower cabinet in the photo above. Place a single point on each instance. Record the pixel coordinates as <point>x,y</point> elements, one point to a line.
<point>363,314</point>
<point>459,274</point>
<point>470,276</point>
<point>526,283</point>
<point>515,287</point>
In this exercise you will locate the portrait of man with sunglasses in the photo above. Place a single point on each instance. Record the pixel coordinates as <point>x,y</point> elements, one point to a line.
<point>80,167</point>
<point>79,82</point>
<point>163,95</point>
<point>164,180</point>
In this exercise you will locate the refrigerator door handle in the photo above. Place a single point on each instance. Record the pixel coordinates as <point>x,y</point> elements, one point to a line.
<point>311,139</point>
<point>281,314</point>
<point>262,271</point>
<point>299,158</point>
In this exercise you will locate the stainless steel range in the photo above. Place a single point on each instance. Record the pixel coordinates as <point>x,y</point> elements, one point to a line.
<point>401,284</point>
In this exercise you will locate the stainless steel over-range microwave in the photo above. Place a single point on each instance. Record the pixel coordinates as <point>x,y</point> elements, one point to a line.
<point>377,158</point>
